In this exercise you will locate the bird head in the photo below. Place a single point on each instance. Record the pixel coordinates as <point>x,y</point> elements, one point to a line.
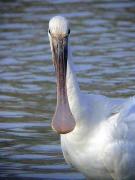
<point>58,32</point>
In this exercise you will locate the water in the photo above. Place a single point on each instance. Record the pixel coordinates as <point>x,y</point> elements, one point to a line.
<point>103,38</point>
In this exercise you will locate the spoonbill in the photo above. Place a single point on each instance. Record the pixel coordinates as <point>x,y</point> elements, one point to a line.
<point>97,132</point>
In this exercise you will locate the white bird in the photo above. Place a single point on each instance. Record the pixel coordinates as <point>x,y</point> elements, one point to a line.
<point>97,133</point>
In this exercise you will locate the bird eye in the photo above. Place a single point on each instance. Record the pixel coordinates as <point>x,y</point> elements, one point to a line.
<point>49,31</point>
<point>68,31</point>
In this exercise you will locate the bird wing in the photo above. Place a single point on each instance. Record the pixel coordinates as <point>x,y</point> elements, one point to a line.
<point>116,104</point>
<point>119,153</point>
<point>100,107</point>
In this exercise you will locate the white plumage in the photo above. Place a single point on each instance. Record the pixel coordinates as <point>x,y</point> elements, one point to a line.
<point>58,25</point>
<point>102,144</point>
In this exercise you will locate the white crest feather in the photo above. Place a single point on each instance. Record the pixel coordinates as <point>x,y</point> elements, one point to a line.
<point>58,25</point>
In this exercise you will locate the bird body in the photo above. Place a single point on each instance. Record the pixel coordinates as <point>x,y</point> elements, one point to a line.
<point>102,145</point>
<point>101,142</point>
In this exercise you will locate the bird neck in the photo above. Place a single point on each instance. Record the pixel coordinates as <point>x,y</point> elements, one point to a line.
<point>77,103</point>
<point>73,89</point>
